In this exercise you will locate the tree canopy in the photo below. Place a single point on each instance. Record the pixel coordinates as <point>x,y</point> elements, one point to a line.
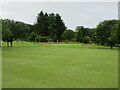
<point>68,35</point>
<point>50,25</point>
<point>51,28</point>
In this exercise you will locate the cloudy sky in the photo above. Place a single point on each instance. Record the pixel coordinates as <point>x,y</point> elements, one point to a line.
<point>87,14</point>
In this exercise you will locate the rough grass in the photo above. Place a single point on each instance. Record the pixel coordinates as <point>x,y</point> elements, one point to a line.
<point>36,65</point>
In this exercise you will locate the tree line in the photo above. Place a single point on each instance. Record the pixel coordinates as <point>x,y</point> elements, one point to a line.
<point>51,28</point>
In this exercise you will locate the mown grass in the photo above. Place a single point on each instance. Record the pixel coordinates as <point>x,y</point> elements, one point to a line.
<point>41,65</point>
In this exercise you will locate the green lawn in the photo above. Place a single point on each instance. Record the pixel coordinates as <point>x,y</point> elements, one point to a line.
<point>36,65</point>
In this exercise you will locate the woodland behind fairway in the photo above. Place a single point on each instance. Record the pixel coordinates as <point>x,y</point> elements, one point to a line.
<point>51,28</point>
<point>36,65</point>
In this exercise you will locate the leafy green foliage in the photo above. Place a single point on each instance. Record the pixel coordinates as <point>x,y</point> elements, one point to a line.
<point>42,24</point>
<point>6,32</point>
<point>118,32</point>
<point>68,35</point>
<point>86,39</point>
<point>114,34</point>
<point>12,30</point>
<point>50,25</point>
<point>82,32</point>
<point>103,31</point>
<point>51,28</point>
<point>32,36</point>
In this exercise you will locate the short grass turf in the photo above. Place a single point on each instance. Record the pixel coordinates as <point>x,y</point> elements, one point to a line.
<point>36,65</point>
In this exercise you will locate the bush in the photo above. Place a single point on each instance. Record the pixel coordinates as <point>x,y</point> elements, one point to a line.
<point>32,36</point>
<point>41,39</point>
<point>66,41</point>
<point>86,39</point>
<point>68,35</point>
<point>54,39</point>
<point>49,39</point>
<point>38,38</point>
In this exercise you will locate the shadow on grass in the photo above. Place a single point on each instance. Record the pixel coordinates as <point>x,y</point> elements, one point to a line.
<point>104,47</point>
<point>108,48</point>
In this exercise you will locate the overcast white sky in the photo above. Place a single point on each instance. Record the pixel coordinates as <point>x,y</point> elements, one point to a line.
<point>87,14</point>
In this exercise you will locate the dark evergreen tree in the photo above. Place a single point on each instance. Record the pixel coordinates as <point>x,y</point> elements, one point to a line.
<point>50,25</point>
<point>40,25</point>
<point>80,33</point>
<point>60,27</point>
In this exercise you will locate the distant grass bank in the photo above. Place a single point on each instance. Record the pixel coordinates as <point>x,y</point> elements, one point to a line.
<point>59,65</point>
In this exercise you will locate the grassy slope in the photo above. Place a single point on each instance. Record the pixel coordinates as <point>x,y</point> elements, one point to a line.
<point>59,66</point>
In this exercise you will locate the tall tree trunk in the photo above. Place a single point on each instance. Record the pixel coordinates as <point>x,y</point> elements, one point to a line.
<point>11,43</point>
<point>111,46</point>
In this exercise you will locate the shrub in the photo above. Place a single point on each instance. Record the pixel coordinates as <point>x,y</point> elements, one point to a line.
<point>68,35</point>
<point>49,39</point>
<point>43,39</point>
<point>38,38</point>
<point>66,41</point>
<point>32,36</point>
<point>86,39</point>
